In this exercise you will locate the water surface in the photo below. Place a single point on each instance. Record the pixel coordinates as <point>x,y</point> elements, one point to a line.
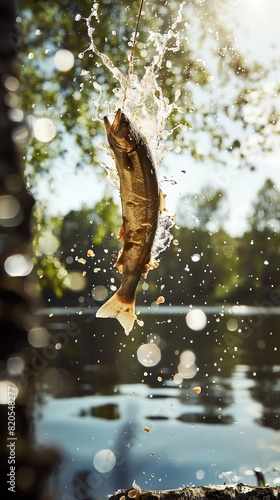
<point>116,421</point>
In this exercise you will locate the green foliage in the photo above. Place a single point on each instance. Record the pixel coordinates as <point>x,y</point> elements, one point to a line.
<point>108,211</point>
<point>202,209</point>
<point>46,242</point>
<point>202,267</point>
<point>227,269</point>
<point>61,244</point>
<point>266,209</point>
<point>69,97</point>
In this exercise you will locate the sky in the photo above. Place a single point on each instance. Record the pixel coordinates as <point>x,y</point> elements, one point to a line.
<point>256,29</point>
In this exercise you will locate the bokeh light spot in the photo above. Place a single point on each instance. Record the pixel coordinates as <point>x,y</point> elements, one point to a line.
<point>7,390</point>
<point>48,243</point>
<point>104,460</point>
<point>232,324</point>
<point>25,477</point>
<point>15,365</point>
<point>9,207</point>
<point>44,129</point>
<point>154,338</point>
<point>11,83</point>
<point>149,354</point>
<point>75,281</point>
<point>99,292</point>
<point>38,337</point>
<point>196,319</point>
<point>187,358</point>
<point>177,379</point>
<point>18,265</point>
<point>64,60</point>
<point>187,371</point>
<point>200,474</point>
<point>187,367</point>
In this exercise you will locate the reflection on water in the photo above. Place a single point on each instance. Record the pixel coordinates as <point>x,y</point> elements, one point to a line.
<point>116,420</point>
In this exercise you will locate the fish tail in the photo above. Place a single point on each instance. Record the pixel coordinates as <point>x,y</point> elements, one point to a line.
<point>124,312</point>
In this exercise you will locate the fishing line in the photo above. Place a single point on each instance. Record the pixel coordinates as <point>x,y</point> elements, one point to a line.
<point>130,64</point>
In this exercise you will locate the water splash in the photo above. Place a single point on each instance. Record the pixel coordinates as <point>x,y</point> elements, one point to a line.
<point>142,100</point>
<point>144,103</point>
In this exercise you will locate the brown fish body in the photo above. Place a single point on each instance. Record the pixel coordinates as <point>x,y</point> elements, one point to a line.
<point>140,201</point>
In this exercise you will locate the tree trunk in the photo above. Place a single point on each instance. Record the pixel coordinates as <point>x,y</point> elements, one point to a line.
<point>23,470</point>
<point>220,492</point>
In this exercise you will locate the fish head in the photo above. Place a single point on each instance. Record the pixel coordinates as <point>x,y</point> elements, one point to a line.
<point>121,135</point>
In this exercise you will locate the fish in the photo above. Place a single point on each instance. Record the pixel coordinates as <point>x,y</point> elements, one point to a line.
<point>141,201</point>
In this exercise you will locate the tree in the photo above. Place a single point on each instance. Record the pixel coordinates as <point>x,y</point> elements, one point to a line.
<point>74,101</point>
<point>17,291</point>
<point>62,244</point>
<point>205,210</point>
<point>71,99</point>
<point>266,212</point>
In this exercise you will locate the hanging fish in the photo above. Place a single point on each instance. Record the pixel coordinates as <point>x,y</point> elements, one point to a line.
<point>141,201</point>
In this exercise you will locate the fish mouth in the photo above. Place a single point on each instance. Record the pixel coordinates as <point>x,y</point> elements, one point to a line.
<point>111,128</point>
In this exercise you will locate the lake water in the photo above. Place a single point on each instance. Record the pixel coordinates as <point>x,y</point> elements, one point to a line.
<point>115,421</point>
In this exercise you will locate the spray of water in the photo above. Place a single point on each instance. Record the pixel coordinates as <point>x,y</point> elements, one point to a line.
<point>143,102</point>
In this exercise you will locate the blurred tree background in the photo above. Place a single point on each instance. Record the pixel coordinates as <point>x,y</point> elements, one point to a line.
<point>221,106</point>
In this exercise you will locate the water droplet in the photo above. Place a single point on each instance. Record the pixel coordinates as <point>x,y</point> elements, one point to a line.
<point>196,257</point>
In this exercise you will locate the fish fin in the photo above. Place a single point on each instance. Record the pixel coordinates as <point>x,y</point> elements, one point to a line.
<point>121,233</point>
<point>152,264</point>
<point>119,262</point>
<point>162,204</point>
<point>124,312</point>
